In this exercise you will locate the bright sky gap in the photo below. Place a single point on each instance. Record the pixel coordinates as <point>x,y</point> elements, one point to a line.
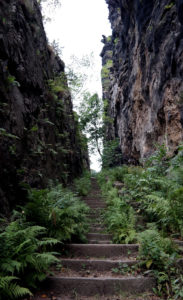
<point>78,27</point>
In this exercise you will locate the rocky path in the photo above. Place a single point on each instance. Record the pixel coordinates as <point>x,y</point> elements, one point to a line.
<point>96,269</point>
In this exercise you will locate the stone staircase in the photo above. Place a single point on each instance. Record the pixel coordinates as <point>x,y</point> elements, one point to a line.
<point>87,271</point>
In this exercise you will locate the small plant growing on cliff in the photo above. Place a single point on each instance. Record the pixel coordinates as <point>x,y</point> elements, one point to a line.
<point>169,6</point>
<point>105,72</point>
<point>116,41</point>
<point>109,38</point>
<point>58,84</point>
<point>3,132</point>
<point>12,81</point>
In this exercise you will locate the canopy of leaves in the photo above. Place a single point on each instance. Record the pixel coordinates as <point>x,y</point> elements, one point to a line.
<point>91,123</point>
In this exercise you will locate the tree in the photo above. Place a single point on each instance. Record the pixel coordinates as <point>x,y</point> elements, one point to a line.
<point>51,3</point>
<point>48,8</point>
<point>91,123</point>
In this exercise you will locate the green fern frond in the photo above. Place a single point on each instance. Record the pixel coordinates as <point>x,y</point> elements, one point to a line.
<point>10,289</point>
<point>48,242</point>
<point>10,266</point>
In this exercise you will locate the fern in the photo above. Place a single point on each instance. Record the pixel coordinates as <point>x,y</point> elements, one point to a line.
<point>29,260</point>
<point>82,185</point>
<point>60,211</point>
<point>9,289</point>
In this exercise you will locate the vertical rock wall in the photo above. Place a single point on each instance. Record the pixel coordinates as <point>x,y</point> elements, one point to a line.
<point>143,75</point>
<point>39,137</point>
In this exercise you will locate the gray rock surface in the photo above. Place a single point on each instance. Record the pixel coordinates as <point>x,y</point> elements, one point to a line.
<point>39,138</point>
<point>143,85</point>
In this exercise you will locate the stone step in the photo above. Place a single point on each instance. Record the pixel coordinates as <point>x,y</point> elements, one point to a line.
<point>94,219</point>
<point>95,264</point>
<point>99,224</point>
<point>99,236</point>
<point>96,210</point>
<point>102,250</point>
<point>99,286</point>
<point>95,200</point>
<point>99,242</point>
<point>97,229</point>
<point>178,242</point>
<point>96,206</point>
<point>94,215</point>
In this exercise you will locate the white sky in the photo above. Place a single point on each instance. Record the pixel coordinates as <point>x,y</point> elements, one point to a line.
<point>78,26</point>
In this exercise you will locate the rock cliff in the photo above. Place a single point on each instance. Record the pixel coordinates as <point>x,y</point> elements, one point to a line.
<point>39,137</point>
<point>142,76</point>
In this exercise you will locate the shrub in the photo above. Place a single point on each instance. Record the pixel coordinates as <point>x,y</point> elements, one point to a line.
<point>23,255</point>
<point>120,220</point>
<point>82,185</point>
<point>176,209</point>
<point>60,211</point>
<point>155,249</point>
<point>160,255</point>
<point>112,155</point>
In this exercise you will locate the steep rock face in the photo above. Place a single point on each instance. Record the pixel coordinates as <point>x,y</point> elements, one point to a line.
<point>39,138</point>
<point>142,75</point>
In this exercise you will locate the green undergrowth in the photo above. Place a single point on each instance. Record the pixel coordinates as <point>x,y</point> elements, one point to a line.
<point>25,257</point>
<point>28,239</point>
<point>82,185</point>
<point>60,211</point>
<point>145,205</point>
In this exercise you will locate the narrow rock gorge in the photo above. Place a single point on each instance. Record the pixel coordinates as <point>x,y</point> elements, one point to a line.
<point>39,135</point>
<point>142,76</point>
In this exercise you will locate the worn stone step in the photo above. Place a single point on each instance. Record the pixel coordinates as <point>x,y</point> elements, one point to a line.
<point>92,219</point>
<point>95,215</point>
<point>98,224</point>
<point>102,250</point>
<point>99,286</point>
<point>99,242</point>
<point>178,242</point>
<point>95,264</point>
<point>97,229</point>
<point>99,236</point>
<point>96,206</point>
<point>95,199</point>
<point>96,211</point>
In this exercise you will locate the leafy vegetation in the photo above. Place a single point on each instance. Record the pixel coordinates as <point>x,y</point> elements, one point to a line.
<point>111,155</point>
<point>82,185</point>
<point>60,211</point>
<point>169,6</point>
<point>24,257</point>
<point>51,216</point>
<point>106,69</point>
<point>91,121</point>
<point>145,204</point>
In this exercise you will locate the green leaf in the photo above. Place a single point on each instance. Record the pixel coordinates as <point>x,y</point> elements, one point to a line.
<point>149,263</point>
